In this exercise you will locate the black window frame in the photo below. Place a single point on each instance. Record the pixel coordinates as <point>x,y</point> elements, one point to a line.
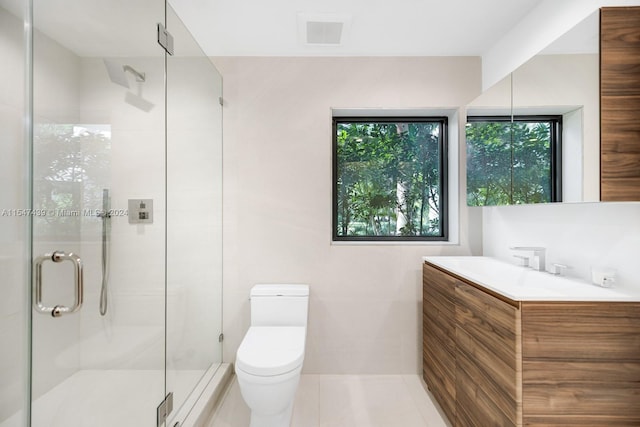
<point>443,177</point>
<point>555,166</point>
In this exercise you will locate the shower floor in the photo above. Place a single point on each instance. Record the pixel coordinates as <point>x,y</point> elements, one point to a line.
<point>107,398</point>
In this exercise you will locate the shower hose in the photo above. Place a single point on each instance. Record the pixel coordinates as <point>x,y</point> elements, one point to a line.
<point>105,215</point>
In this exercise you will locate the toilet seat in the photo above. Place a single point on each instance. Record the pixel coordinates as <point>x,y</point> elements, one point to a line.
<point>271,350</point>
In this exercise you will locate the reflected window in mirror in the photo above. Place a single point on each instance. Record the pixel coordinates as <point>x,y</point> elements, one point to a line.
<point>513,160</point>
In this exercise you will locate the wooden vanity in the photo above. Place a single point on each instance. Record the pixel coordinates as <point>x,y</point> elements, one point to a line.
<point>491,360</point>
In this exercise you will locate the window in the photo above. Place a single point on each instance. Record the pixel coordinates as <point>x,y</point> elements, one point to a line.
<point>389,179</point>
<point>513,163</point>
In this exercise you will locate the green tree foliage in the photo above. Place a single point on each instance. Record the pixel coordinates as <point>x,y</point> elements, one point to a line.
<point>508,163</point>
<point>71,167</point>
<point>388,181</point>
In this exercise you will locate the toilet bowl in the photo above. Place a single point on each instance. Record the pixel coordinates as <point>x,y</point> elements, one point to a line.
<point>270,358</point>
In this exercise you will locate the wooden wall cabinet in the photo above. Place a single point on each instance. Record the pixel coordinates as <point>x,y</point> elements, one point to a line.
<point>620,104</point>
<point>490,361</point>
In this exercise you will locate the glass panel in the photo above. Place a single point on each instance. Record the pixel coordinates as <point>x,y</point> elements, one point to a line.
<point>99,141</point>
<point>13,219</point>
<point>489,159</point>
<point>532,178</point>
<point>389,179</point>
<point>194,219</point>
<point>509,162</point>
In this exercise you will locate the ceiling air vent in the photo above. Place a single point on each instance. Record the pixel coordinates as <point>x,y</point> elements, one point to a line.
<point>324,32</point>
<point>322,29</point>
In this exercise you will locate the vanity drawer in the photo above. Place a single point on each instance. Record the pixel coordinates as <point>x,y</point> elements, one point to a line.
<point>587,331</point>
<point>581,363</point>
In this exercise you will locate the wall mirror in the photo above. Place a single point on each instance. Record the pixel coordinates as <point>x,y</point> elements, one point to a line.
<point>511,154</point>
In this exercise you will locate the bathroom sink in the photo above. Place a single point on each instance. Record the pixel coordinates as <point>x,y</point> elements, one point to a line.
<point>524,284</point>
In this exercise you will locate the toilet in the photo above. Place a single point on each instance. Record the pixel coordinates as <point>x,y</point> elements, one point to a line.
<point>269,359</point>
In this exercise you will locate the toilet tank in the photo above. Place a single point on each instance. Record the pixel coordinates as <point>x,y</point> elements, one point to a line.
<point>279,305</point>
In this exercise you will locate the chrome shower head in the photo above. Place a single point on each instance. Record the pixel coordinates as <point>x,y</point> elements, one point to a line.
<point>117,73</point>
<point>139,76</point>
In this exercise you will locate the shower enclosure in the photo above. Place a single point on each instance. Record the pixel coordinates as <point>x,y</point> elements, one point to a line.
<point>110,215</point>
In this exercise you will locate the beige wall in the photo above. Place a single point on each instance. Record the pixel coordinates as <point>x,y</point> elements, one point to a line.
<point>365,306</point>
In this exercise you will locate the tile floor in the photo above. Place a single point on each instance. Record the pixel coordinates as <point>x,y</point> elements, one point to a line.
<point>346,400</point>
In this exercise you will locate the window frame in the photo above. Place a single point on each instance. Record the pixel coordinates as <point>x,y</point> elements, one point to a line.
<point>443,177</point>
<point>555,165</point>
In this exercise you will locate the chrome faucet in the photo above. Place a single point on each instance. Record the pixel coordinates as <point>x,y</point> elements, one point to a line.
<point>538,252</point>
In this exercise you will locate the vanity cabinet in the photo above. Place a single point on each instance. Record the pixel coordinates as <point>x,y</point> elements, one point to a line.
<point>492,361</point>
<point>439,338</point>
<point>487,359</point>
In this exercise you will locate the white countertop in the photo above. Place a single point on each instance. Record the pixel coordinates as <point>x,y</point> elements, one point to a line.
<point>525,284</point>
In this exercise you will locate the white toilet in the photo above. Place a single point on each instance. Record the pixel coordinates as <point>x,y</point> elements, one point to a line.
<point>269,359</point>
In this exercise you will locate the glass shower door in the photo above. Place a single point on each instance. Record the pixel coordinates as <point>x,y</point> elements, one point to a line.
<point>14,260</point>
<point>98,213</point>
<point>194,219</point>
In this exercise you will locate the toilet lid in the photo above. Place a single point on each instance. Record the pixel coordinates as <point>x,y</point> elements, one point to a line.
<point>271,350</point>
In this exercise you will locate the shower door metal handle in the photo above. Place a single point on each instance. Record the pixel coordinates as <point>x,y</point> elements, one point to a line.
<point>58,310</point>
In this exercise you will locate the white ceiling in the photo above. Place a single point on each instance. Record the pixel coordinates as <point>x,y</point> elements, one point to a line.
<point>110,28</point>
<point>377,27</point>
